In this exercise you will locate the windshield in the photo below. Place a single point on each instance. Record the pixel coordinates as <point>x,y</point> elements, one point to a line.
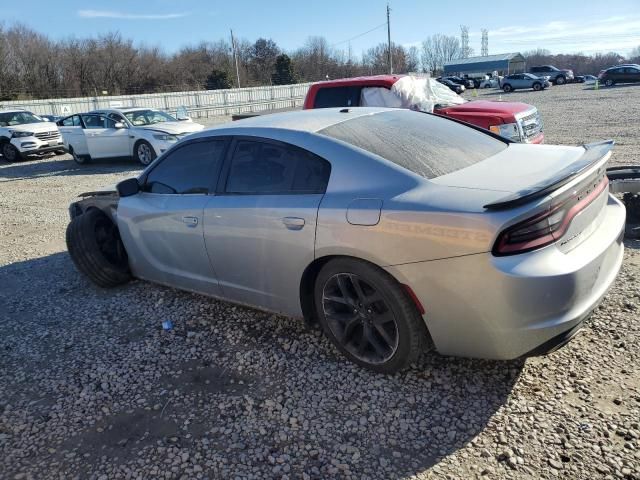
<point>8,119</point>
<point>148,117</point>
<point>424,144</point>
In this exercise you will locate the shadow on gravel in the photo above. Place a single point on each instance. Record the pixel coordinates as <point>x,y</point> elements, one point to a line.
<point>63,167</point>
<point>306,403</point>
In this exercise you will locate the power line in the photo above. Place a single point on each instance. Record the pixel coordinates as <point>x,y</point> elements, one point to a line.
<point>360,34</point>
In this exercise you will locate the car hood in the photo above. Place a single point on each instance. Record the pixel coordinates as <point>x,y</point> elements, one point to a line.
<point>108,190</point>
<point>485,107</point>
<point>34,127</point>
<point>174,128</point>
<point>514,169</point>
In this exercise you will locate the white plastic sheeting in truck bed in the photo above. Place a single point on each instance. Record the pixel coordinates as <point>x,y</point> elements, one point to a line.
<point>410,92</point>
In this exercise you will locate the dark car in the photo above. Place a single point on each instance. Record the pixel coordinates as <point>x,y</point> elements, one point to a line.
<point>556,76</point>
<point>465,82</point>
<point>620,74</point>
<point>452,85</point>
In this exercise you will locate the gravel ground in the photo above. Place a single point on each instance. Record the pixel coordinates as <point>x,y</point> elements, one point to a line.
<point>92,387</point>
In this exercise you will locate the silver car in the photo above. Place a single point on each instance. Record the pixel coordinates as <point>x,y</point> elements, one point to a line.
<point>392,229</point>
<point>524,80</point>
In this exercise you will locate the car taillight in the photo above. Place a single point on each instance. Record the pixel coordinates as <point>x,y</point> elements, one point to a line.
<point>546,227</point>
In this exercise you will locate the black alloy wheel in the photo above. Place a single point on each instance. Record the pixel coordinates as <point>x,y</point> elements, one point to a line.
<point>359,318</point>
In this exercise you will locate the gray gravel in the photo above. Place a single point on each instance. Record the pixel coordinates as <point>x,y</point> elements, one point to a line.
<point>92,387</point>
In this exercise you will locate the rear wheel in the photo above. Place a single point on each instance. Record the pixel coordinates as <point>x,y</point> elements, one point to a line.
<point>144,152</point>
<point>10,153</point>
<point>96,249</point>
<point>507,88</point>
<point>368,316</point>
<point>561,80</point>
<point>537,87</point>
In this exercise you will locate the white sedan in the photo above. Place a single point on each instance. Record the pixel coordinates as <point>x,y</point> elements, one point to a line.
<point>141,133</point>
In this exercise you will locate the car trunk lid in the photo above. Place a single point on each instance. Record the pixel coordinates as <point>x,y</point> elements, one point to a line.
<point>559,191</point>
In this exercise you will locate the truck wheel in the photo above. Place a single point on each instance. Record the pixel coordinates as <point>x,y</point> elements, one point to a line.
<point>96,249</point>
<point>507,88</point>
<point>537,87</point>
<point>10,153</point>
<point>368,316</point>
<point>144,152</point>
<point>609,82</point>
<point>561,80</point>
<point>79,159</point>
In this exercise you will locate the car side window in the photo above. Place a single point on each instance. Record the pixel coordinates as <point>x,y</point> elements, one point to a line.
<point>76,121</point>
<point>267,168</point>
<point>93,121</point>
<point>68,122</point>
<point>112,119</point>
<point>337,97</point>
<point>189,169</point>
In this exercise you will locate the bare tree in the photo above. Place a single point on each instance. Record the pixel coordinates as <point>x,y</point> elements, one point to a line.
<point>438,49</point>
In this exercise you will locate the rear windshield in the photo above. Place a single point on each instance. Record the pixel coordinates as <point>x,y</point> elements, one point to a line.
<point>425,144</point>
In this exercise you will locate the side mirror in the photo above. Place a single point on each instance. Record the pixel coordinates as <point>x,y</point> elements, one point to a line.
<point>119,125</point>
<point>128,187</point>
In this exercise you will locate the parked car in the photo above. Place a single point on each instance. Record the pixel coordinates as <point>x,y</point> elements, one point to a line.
<point>454,87</point>
<point>24,134</point>
<point>620,74</point>
<point>557,76</point>
<point>465,82</point>
<point>141,133</point>
<point>518,81</point>
<point>391,228</point>
<point>50,118</point>
<point>490,82</point>
<point>520,122</point>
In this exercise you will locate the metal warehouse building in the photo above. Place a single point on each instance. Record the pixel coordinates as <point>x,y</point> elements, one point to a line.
<point>504,64</point>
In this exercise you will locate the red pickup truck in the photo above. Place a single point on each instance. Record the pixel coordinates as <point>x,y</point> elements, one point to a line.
<point>517,121</point>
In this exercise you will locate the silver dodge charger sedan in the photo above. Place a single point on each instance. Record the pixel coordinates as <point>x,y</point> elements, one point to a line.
<point>394,230</point>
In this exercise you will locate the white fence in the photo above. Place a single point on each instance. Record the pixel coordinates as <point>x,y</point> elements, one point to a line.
<point>201,103</point>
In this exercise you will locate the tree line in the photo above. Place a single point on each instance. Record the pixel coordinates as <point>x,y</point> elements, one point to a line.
<point>35,66</point>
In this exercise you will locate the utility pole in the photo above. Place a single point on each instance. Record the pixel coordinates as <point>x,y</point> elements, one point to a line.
<point>389,39</point>
<point>235,57</point>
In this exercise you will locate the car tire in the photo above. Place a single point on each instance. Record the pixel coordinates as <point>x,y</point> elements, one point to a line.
<point>143,152</point>
<point>60,152</point>
<point>560,80</point>
<point>79,159</point>
<point>609,82</point>
<point>386,332</point>
<point>10,153</point>
<point>96,249</point>
<point>507,88</point>
<point>537,86</point>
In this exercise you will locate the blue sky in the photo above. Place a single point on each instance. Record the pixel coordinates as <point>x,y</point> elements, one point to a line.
<point>560,26</point>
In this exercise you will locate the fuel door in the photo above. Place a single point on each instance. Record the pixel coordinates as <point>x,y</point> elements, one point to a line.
<point>364,211</point>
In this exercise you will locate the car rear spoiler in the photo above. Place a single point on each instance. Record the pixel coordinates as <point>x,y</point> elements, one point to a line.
<point>593,153</point>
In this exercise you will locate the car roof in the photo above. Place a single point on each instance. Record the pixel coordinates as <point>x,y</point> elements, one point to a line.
<point>360,81</point>
<point>12,110</point>
<point>312,120</point>
<point>120,110</point>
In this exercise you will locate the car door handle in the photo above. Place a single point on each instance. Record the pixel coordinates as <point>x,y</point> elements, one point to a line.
<point>293,223</point>
<point>190,221</point>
